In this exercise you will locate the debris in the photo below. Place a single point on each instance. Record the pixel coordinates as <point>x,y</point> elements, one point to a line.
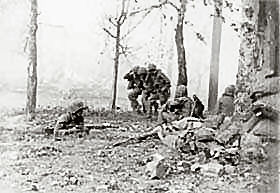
<point>214,121</point>
<point>229,169</point>
<point>212,169</point>
<point>229,135</point>
<point>204,134</point>
<point>157,168</point>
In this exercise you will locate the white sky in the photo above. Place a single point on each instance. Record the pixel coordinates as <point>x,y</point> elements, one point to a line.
<point>72,45</point>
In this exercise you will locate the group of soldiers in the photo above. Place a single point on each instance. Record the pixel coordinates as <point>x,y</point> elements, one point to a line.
<point>150,83</point>
<point>154,87</point>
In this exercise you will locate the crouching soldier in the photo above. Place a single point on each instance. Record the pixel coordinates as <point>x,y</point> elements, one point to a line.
<point>178,108</point>
<point>72,121</point>
<point>198,108</point>
<point>226,102</point>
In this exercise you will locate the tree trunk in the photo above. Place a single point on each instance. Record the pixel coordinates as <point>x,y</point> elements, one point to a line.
<point>116,66</point>
<point>32,64</point>
<point>179,39</point>
<point>214,65</point>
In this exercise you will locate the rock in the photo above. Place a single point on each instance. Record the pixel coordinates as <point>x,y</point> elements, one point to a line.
<point>212,169</point>
<point>229,169</point>
<point>209,169</point>
<point>156,168</point>
<point>229,135</point>
<point>249,140</point>
<point>183,166</point>
<point>34,188</point>
<point>251,148</point>
<point>204,134</point>
<point>213,121</point>
<point>254,153</point>
<point>187,123</point>
<point>195,167</point>
<point>266,128</point>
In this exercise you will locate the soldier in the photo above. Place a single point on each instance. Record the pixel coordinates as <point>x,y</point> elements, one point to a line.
<point>135,87</point>
<point>226,102</point>
<point>142,72</point>
<point>130,76</point>
<point>162,85</point>
<point>178,108</point>
<point>73,120</point>
<point>198,108</point>
<point>157,87</point>
<point>150,96</point>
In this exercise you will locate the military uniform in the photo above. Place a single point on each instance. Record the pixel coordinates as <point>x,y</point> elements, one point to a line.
<point>162,85</point>
<point>71,120</point>
<point>198,108</point>
<point>178,108</point>
<point>135,85</point>
<point>149,95</point>
<point>157,87</point>
<point>226,102</point>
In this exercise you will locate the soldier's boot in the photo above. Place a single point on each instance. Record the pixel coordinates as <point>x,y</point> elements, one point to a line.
<point>134,105</point>
<point>150,110</point>
<point>144,106</point>
<point>156,108</point>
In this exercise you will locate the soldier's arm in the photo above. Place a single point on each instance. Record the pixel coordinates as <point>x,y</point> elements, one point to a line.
<point>187,108</point>
<point>128,76</point>
<point>61,124</point>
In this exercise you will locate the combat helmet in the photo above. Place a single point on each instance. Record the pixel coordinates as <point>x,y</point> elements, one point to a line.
<point>135,69</point>
<point>181,91</point>
<point>151,67</point>
<point>230,90</point>
<point>142,70</point>
<point>76,106</point>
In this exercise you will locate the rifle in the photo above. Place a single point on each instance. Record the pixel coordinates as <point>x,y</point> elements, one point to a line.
<point>87,127</point>
<point>152,133</point>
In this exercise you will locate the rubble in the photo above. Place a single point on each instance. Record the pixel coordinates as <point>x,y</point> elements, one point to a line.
<point>157,168</point>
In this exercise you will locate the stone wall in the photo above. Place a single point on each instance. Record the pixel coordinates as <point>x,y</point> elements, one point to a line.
<point>258,72</point>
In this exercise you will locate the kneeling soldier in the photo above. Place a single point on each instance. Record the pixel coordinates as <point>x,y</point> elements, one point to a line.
<point>72,121</point>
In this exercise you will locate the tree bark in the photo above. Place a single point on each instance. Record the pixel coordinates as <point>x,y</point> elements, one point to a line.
<point>32,63</point>
<point>116,65</point>
<point>215,55</point>
<point>179,39</point>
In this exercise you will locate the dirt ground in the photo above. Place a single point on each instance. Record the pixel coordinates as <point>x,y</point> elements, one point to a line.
<point>32,162</point>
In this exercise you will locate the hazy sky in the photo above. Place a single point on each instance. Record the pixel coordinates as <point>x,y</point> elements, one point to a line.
<point>73,48</point>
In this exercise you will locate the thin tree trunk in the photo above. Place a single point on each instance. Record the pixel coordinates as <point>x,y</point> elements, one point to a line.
<point>215,55</point>
<point>179,39</point>
<point>116,66</point>
<point>32,63</point>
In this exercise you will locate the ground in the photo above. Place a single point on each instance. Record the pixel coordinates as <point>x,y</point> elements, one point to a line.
<point>33,162</point>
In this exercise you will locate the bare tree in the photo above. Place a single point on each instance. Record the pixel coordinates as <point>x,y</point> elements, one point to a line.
<point>215,54</point>
<point>179,39</point>
<point>32,63</point>
<point>117,23</point>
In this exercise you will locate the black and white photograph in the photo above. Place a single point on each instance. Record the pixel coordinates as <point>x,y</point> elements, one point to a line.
<point>139,96</point>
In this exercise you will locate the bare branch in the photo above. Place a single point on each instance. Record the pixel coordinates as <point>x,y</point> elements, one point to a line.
<point>122,18</point>
<point>112,22</point>
<point>138,23</point>
<point>148,8</point>
<point>108,32</point>
<point>173,5</point>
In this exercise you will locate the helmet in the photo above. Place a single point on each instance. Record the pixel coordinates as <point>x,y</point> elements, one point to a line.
<point>230,90</point>
<point>135,69</point>
<point>142,70</point>
<point>151,67</point>
<point>181,91</point>
<point>75,106</point>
